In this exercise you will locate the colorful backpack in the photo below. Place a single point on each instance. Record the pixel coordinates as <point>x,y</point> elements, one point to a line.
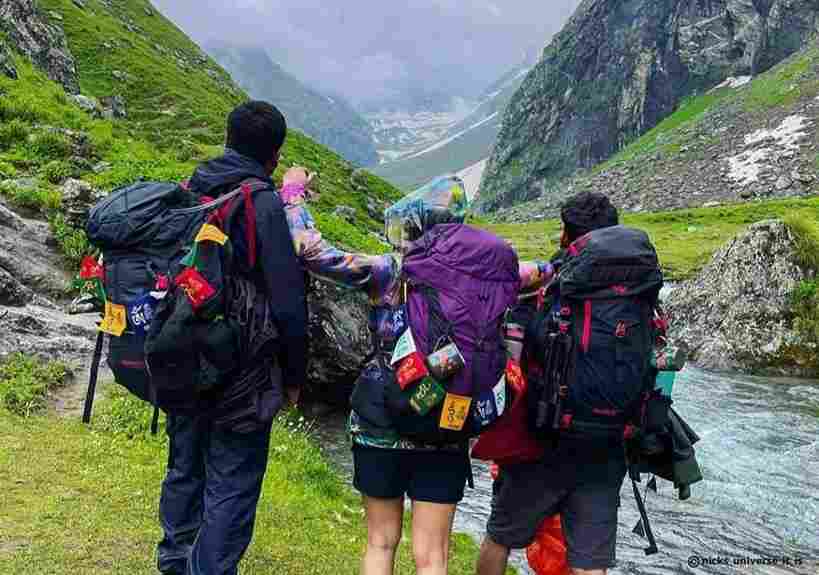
<point>449,361</point>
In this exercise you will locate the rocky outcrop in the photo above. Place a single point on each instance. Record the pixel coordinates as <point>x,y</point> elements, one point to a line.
<point>31,32</point>
<point>339,342</point>
<point>728,155</point>
<point>736,314</point>
<point>617,69</point>
<point>32,285</point>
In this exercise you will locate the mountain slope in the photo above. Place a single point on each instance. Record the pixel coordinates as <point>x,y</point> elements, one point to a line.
<point>175,99</point>
<point>463,144</point>
<point>328,120</point>
<point>740,142</point>
<point>617,69</point>
<point>151,106</point>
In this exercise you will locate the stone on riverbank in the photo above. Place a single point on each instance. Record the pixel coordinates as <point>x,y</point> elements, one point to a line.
<point>736,314</point>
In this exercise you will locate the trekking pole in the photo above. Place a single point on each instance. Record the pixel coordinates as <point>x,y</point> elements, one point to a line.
<point>92,380</point>
<point>649,535</point>
<point>155,421</point>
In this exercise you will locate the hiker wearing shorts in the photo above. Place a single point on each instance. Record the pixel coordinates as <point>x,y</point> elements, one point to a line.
<point>580,479</point>
<point>389,467</point>
<point>214,476</point>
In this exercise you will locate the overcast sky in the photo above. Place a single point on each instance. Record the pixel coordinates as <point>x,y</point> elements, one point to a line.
<point>372,49</point>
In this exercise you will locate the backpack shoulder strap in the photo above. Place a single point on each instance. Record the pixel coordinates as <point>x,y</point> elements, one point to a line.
<point>227,212</point>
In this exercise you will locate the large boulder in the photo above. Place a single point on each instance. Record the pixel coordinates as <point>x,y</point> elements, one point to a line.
<point>617,69</point>
<point>43,41</point>
<point>736,314</point>
<point>339,342</point>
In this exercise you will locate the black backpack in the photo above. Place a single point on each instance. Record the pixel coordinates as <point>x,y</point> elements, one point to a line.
<point>589,356</point>
<point>144,232</point>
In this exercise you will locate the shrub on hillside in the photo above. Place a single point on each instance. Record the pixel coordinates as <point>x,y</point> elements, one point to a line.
<point>50,145</point>
<point>25,382</point>
<point>72,241</point>
<point>12,133</point>
<point>7,170</point>
<point>57,171</point>
<point>17,109</point>
<point>35,196</point>
<point>805,300</point>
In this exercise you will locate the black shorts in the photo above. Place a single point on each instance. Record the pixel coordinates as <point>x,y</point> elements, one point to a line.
<point>426,476</point>
<point>523,498</point>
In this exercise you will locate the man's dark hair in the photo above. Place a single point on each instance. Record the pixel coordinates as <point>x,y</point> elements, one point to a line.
<point>256,130</point>
<point>587,212</point>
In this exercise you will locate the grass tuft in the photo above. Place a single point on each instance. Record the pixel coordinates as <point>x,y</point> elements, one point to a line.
<point>26,381</point>
<point>123,414</point>
<point>806,233</point>
<point>805,309</point>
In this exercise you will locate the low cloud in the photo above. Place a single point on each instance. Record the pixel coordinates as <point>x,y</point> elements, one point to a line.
<point>367,50</point>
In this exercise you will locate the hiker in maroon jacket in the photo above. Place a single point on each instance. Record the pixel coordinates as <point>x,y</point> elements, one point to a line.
<point>389,465</point>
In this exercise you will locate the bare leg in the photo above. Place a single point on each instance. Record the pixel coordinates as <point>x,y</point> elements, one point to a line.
<point>384,518</point>
<point>589,572</point>
<point>493,558</point>
<point>431,528</point>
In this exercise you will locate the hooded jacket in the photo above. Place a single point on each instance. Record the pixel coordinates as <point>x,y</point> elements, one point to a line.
<point>277,271</point>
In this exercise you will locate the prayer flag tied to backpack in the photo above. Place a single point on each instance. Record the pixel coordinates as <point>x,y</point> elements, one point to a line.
<point>91,278</point>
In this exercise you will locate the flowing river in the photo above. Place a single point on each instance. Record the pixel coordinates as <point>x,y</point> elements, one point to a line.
<point>759,455</point>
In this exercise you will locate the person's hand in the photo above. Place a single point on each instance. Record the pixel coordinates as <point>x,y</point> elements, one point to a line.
<point>298,175</point>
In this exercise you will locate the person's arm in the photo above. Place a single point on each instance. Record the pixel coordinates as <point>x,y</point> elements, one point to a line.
<point>284,286</point>
<point>321,258</point>
<point>535,275</point>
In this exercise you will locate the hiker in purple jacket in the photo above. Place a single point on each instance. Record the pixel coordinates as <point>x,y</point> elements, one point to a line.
<point>389,466</point>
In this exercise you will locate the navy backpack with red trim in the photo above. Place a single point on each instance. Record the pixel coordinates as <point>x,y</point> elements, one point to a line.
<point>589,355</point>
<point>146,232</point>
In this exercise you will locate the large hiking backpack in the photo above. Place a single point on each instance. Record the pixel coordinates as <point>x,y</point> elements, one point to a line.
<point>144,232</point>
<point>589,356</point>
<point>460,282</point>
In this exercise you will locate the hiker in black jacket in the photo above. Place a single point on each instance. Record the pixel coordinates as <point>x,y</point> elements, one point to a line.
<point>576,477</point>
<point>214,477</point>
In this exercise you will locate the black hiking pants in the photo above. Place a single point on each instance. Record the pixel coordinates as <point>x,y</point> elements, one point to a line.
<point>209,497</point>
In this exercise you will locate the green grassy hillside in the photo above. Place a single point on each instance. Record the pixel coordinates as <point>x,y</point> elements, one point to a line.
<point>176,99</point>
<point>686,240</point>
